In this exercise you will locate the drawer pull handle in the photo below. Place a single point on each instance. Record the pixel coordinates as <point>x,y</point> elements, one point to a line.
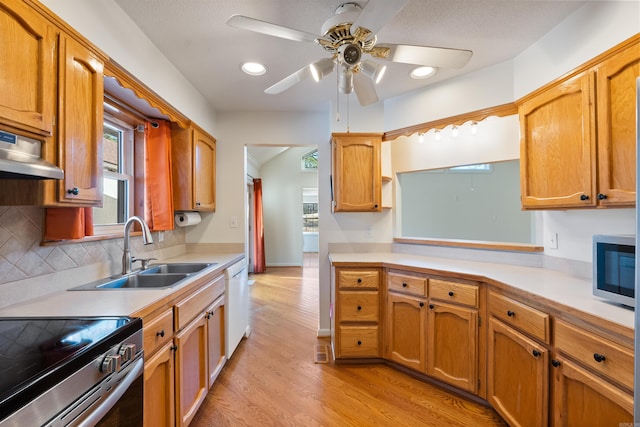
<point>555,363</point>
<point>599,357</point>
<point>359,342</point>
<point>510,313</point>
<point>404,285</point>
<point>536,353</point>
<point>359,307</point>
<point>359,280</point>
<point>450,293</point>
<point>421,304</point>
<point>160,334</point>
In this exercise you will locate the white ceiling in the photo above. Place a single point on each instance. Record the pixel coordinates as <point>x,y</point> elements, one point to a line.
<point>194,36</point>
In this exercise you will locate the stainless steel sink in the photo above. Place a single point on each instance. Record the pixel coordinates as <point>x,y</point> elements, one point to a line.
<point>137,281</point>
<point>173,268</point>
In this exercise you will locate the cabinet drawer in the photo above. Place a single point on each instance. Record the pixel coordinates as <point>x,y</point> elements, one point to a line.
<point>358,341</point>
<point>616,362</point>
<point>528,319</point>
<point>407,284</point>
<point>369,279</point>
<point>454,292</point>
<point>157,332</point>
<point>358,306</point>
<point>191,306</point>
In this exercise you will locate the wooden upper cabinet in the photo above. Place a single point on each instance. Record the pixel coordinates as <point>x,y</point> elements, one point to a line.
<point>616,97</point>
<point>28,46</point>
<point>557,147</point>
<point>578,137</point>
<point>80,128</point>
<point>194,169</point>
<point>357,180</point>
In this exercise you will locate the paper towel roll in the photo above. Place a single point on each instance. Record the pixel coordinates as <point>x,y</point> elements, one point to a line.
<point>184,219</point>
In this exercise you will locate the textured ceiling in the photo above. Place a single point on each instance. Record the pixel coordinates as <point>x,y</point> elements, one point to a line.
<point>194,36</point>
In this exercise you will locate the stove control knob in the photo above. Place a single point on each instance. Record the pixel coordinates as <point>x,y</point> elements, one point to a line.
<point>127,352</point>
<point>110,364</point>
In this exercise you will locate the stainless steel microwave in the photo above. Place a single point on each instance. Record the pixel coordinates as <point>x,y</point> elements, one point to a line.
<point>614,268</point>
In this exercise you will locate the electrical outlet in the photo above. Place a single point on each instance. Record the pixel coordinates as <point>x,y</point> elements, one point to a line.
<point>552,241</point>
<point>233,222</point>
<point>369,231</point>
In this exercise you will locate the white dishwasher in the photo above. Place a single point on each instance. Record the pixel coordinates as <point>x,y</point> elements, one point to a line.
<point>236,311</point>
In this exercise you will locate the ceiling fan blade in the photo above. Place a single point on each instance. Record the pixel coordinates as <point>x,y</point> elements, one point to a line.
<point>323,67</point>
<point>424,55</point>
<point>264,27</point>
<point>377,13</point>
<point>290,80</point>
<point>365,89</point>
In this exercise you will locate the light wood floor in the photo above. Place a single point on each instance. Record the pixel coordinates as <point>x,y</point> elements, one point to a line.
<point>271,379</point>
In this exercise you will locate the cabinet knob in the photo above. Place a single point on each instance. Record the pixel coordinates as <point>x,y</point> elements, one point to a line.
<point>375,206</point>
<point>602,196</point>
<point>359,342</point>
<point>160,333</point>
<point>404,285</point>
<point>555,363</point>
<point>510,313</point>
<point>599,357</point>
<point>173,348</point>
<point>359,280</point>
<point>73,191</point>
<point>584,197</point>
<point>197,203</point>
<point>359,308</point>
<point>536,353</point>
<point>450,293</point>
<point>421,304</point>
<point>431,306</point>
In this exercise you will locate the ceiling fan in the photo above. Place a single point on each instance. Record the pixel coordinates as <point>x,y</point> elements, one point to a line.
<point>347,36</point>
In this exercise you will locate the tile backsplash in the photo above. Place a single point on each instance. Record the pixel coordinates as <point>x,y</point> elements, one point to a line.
<point>22,257</point>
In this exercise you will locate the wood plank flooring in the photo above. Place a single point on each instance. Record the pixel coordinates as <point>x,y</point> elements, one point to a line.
<point>271,379</point>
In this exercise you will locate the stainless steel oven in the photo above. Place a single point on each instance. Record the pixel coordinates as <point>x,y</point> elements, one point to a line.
<point>71,372</point>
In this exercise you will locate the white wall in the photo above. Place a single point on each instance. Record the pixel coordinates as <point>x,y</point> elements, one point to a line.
<point>282,182</point>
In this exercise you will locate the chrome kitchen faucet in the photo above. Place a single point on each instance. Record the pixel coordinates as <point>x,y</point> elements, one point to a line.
<point>147,239</point>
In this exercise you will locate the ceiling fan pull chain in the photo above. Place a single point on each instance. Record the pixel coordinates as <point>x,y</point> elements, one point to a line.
<point>337,96</point>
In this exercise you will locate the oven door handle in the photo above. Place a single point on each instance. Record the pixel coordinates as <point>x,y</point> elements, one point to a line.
<point>98,413</point>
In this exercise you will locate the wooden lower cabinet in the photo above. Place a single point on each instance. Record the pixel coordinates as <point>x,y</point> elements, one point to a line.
<point>192,382</point>
<point>518,376</point>
<point>584,399</point>
<point>159,389</point>
<point>452,345</point>
<point>215,339</point>
<point>405,325</point>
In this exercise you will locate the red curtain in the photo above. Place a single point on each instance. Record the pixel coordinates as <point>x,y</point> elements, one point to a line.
<point>259,264</point>
<point>158,194</point>
<point>67,223</point>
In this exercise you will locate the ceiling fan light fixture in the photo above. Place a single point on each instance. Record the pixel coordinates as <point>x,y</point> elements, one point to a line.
<point>253,68</point>
<point>423,72</point>
<point>374,71</point>
<point>321,68</point>
<point>346,82</point>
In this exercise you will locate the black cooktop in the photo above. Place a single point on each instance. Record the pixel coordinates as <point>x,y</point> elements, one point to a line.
<point>37,353</point>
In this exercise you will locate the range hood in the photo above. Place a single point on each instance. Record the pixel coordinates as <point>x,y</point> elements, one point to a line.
<point>20,158</point>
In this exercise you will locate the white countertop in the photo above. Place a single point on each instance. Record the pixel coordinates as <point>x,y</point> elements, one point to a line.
<point>113,302</point>
<point>552,285</point>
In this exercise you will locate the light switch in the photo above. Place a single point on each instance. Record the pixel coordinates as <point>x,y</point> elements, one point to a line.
<point>233,221</point>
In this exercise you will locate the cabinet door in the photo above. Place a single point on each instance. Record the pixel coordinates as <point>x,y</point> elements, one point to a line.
<point>192,383</point>
<point>204,172</point>
<point>159,393</point>
<point>452,345</point>
<point>27,93</point>
<point>557,146</point>
<point>357,180</point>
<point>518,383</point>
<point>215,340</point>
<point>405,325</point>
<point>583,399</point>
<point>81,124</point>
<point>616,95</point>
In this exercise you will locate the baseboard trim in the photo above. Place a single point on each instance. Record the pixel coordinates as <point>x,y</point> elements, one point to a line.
<point>324,333</point>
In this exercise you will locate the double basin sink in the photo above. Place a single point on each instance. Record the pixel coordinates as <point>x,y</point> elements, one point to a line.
<point>156,276</point>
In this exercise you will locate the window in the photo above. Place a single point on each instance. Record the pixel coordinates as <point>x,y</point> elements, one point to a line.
<point>118,170</point>
<point>309,217</point>
<point>310,160</point>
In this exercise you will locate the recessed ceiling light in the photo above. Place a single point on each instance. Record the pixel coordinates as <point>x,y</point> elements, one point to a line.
<point>423,72</point>
<point>253,68</point>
